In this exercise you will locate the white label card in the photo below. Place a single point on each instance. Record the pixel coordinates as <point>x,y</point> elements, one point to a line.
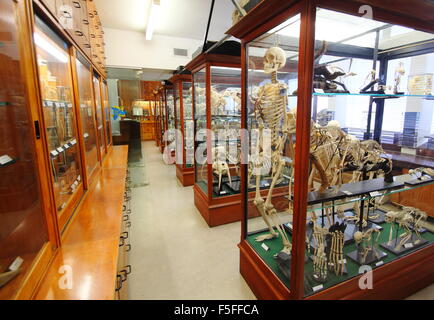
<point>73,142</point>
<point>379,263</point>
<point>223,192</point>
<point>66,146</point>
<point>408,245</point>
<point>54,153</point>
<point>16,264</point>
<point>317,288</point>
<point>60,150</point>
<point>317,90</point>
<point>347,193</point>
<point>375,194</point>
<point>85,135</point>
<point>5,159</point>
<point>265,247</point>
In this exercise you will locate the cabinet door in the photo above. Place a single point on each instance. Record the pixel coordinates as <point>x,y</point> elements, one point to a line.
<point>23,230</point>
<point>59,117</point>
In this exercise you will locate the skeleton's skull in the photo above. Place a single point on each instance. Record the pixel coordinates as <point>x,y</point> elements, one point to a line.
<point>358,237</point>
<point>274,59</point>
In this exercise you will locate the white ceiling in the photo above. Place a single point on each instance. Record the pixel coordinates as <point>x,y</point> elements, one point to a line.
<point>179,18</point>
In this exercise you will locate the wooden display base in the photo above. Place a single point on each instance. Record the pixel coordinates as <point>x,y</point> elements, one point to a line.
<point>395,280</point>
<point>185,175</point>
<point>217,211</point>
<point>222,210</point>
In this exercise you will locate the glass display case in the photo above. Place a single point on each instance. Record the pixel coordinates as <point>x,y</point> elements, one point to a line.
<point>340,109</point>
<point>87,115</point>
<point>163,117</point>
<point>23,231</point>
<point>99,115</point>
<point>217,119</point>
<point>55,79</point>
<point>169,136</point>
<point>182,84</point>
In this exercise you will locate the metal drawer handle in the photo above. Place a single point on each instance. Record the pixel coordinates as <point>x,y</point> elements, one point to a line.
<point>118,282</point>
<point>86,45</point>
<point>127,270</point>
<point>79,33</point>
<point>128,248</point>
<point>128,224</point>
<point>76,4</point>
<point>126,218</point>
<point>85,22</point>
<point>125,235</point>
<point>121,242</point>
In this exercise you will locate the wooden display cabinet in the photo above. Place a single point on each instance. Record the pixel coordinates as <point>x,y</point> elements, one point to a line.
<point>313,36</point>
<point>27,224</point>
<point>185,130</point>
<point>87,124</point>
<point>60,120</point>
<point>217,109</point>
<point>163,117</point>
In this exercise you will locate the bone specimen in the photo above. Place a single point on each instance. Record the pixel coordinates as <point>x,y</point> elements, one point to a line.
<point>336,248</point>
<point>404,219</point>
<point>399,72</point>
<point>366,243</point>
<point>319,257</point>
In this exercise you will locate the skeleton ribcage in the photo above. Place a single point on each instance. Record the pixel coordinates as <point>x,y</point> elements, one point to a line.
<point>273,108</point>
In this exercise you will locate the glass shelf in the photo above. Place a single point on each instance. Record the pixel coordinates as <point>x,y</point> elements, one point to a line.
<point>348,198</point>
<point>374,95</point>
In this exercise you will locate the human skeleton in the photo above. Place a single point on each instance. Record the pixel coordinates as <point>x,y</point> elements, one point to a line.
<point>270,111</point>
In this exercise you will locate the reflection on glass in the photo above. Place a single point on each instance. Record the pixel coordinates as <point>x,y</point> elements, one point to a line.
<point>87,115</point>
<point>201,167</point>
<point>226,124</point>
<point>99,117</point>
<point>187,88</point>
<point>56,88</point>
<point>22,226</point>
<point>170,138</point>
<point>106,113</point>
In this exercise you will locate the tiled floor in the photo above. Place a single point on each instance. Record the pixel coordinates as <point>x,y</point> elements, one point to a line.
<point>175,255</point>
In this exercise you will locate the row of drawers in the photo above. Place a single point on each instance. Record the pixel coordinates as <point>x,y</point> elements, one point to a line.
<point>123,267</point>
<point>80,20</point>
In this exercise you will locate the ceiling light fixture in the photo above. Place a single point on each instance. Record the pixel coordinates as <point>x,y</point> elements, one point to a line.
<point>153,19</point>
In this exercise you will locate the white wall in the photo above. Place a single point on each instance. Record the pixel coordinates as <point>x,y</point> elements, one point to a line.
<point>130,49</point>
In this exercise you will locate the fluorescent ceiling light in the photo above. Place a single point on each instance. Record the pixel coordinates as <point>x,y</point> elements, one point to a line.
<point>154,17</point>
<point>48,47</point>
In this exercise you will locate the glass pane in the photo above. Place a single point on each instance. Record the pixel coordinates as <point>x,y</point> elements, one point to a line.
<point>226,125</point>
<point>272,81</point>
<point>22,226</point>
<point>56,89</point>
<point>107,114</point>
<point>201,167</point>
<point>99,119</point>
<point>87,116</point>
<point>187,88</point>
<point>367,203</point>
<point>170,118</point>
